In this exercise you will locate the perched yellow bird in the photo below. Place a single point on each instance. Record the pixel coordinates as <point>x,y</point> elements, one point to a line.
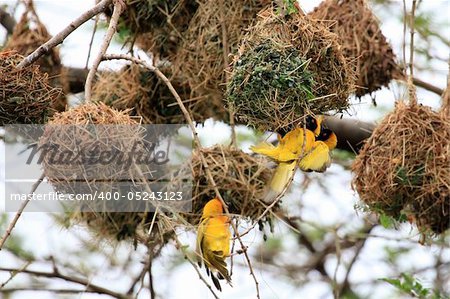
<point>213,241</point>
<point>319,159</point>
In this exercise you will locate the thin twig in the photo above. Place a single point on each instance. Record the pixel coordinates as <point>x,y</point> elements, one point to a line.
<point>13,274</point>
<point>428,86</point>
<point>7,21</point>
<point>150,279</point>
<point>34,289</point>
<point>55,274</point>
<point>19,212</point>
<point>197,143</point>
<point>119,7</point>
<point>194,265</point>
<point>91,42</point>
<point>411,44</point>
<point>59,38</point>
<point>226,54</point>
<point>405,20</point>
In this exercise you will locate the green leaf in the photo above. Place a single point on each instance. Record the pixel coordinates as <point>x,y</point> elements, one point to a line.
<point>386,221</point>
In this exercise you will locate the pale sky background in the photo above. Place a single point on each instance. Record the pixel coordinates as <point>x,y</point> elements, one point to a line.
<point>43,237</point>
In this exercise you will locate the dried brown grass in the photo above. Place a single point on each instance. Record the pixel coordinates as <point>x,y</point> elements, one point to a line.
<point>331,75</point>
<point>78,177</point>
<point>362,41</point>
<point>26,96</point>
<point>145,95</point>
<point>28,35</point>
<point>240,178</point>
<point>215,32</point>
<point>404,167</point>
<point>158,26</point>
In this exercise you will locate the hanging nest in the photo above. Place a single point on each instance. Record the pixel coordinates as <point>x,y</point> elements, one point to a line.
<point>28,35</point>
<point>122,226</point>
<point>105,220</point>
<point>141,91</point>
<point>157,25</point>
<point>288,66</point>
<point>362,41</point>
<point>214,33</point>
<point>404,167</point>
<point>70,131</point>
<point>25,94</point>
<point>240,178</point>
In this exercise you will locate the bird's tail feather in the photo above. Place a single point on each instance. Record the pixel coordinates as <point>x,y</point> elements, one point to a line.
<point>283,173</point>
<point>217,261</point>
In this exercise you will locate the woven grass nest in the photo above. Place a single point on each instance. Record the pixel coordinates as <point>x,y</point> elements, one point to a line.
<point>26,96</point>
<point>287,67</point>
<point>404,167</point>
<point>240,178</point>
<point>106,223</point>
<point>112,226</point>
<point>28,35</point>
<point>362,40</point>
<point>142,92</point>
<point>214,33</point>
<point>157,25</point>
<point>69,131</point>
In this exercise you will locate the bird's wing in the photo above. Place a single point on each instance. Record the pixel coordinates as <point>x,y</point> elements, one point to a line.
<point>278,153</point>
<point>318,159</point>
<point>216,245</point>
<point>200,237</point>
<point>294,142</point>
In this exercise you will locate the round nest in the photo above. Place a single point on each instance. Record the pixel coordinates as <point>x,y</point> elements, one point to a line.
<point>362,41</point>
<point>157,25</point>
<point>25,94</point>
<point>28,35</point>
<point>75,177</point>
<point>214,32</point>
<point>78,137</point>
<point>142,92</point>
<point>404,167</point>
<point>122,226</point>
<point>240,178</point>
<point>288,66</point>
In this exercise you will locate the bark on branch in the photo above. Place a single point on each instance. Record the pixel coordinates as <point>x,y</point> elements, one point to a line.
<point>59,38</point>
<point>7,21</point>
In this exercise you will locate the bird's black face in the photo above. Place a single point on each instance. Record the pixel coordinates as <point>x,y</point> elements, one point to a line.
<point>310,123</point>
<point>324,134</point>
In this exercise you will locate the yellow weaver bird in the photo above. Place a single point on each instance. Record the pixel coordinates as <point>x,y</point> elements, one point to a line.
<point>293,144</point>
<point>213,241</point>
<point>319,159</point>
<point>290,148</point>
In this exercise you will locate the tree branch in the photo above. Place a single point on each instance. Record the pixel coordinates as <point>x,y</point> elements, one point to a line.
<point>56,274</point>
<point>19,212</point>
<point>7,21</point>
<point>428,86</point>
<point>197,143</point>
<point>350,133</point>
<point>119,7</point>
<point>59,38</point>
